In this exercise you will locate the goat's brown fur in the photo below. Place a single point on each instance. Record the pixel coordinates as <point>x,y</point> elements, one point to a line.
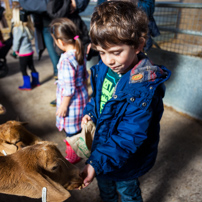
<point>14,136</point>
<point>30,169</point>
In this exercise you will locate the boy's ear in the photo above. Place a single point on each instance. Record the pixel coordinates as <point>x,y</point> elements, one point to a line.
<point>141,45</point>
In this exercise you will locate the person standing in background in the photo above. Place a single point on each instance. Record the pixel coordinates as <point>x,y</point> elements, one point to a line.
<point>55,9</point>
<point>22,36</point>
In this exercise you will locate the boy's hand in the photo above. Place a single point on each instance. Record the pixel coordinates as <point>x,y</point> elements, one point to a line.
<point>85,120</point>
<point>88,174</point>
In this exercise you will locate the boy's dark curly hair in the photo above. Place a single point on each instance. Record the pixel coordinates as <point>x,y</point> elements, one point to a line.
<point>118,22</point>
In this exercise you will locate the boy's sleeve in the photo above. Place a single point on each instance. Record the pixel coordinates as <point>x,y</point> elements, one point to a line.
<point>90,110</point>
<point>131,132</point>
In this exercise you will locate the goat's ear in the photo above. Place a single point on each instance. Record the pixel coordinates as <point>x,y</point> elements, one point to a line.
<point>55,191</point>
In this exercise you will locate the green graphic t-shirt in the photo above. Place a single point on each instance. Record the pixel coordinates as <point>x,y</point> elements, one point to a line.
<point>108,86</point>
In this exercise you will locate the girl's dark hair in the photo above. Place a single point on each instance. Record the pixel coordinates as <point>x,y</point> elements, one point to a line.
<point>118,22</point>
<point>67,31</point>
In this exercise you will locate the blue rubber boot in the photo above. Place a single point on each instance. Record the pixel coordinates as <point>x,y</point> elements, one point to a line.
<point>26,85</point>
<point>35,79</point>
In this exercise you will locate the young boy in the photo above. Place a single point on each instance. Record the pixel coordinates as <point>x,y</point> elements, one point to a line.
<point>126,103</point>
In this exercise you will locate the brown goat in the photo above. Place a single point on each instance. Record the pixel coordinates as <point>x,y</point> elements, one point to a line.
<point>14,136</point>
<point>27,171</point>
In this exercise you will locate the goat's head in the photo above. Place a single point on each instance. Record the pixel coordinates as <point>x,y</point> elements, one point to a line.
<point>14,133</point>
<point>51,163</point>
<point>42,165</point>
<point>55,166</point>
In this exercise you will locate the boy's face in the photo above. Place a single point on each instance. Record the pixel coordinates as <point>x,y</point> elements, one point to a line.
<point>119,58</point>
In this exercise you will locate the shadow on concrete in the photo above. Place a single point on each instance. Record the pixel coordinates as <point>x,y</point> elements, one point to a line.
<point>184,92</point>
<point>12,198</point>
<point>13,68</point>
<point>174,157</point>
<point>167,59</point>
<point>8,86</point>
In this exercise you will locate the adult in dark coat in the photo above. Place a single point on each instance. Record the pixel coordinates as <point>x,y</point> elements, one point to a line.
<point>55,9</point>
<point>63,8</point>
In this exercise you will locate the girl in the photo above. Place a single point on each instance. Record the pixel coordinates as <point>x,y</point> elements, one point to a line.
<point>22,36</point>
<point>72,94</point>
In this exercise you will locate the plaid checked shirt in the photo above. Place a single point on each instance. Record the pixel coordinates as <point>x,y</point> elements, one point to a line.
<point>71,78</point>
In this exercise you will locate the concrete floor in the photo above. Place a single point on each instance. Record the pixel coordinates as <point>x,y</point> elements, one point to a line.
<point>177,174</point>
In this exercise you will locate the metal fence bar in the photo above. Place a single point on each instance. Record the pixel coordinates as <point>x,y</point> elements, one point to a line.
<point>178,5</point>
<point>180,25</point>
<point>189,32</point>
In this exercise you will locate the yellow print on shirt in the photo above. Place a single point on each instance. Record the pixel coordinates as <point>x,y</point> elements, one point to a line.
<point>107,91</point>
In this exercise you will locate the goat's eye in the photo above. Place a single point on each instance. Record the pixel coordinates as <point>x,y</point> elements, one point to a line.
<point>54,168</point>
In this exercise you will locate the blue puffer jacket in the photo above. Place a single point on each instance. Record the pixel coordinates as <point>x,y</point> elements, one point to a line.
<point>127,131</point>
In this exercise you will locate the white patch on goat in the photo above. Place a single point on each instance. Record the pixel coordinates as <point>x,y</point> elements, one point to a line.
<point>44,194</point>
<point>41,142</point>
<point>5,154</point>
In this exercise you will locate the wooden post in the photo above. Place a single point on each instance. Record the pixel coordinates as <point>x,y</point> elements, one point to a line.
<point>7,17</point>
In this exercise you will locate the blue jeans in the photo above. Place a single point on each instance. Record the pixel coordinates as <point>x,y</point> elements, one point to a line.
<point>129,190</point>
<point>51,49</point>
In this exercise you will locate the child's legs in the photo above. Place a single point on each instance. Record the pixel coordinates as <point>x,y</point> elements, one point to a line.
<point>107,189</point>
<point>129,191</point>
<point>23,65</point>
<point>31,63</point>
